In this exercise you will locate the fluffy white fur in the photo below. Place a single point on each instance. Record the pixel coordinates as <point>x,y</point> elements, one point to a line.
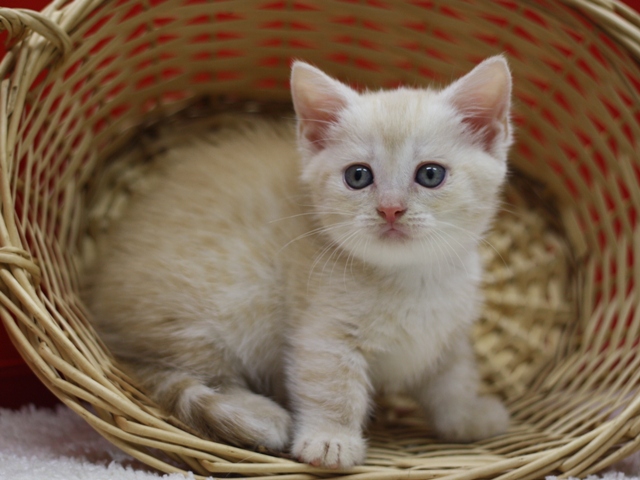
<point>262,300</point>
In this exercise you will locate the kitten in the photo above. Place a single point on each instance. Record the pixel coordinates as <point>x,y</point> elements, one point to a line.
<point>262,290</point>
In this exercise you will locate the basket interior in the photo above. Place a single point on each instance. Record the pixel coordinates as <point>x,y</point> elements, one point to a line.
<point>563,354</point>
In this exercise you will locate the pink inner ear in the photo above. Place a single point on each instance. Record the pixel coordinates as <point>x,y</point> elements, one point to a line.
<point>316,120</point>
<point>487,116</point>
<point>483,97</point>
<point>318,100</point>
<point>484,124</point>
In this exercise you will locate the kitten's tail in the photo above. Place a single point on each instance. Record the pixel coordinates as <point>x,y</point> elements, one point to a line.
<point>225,413</point>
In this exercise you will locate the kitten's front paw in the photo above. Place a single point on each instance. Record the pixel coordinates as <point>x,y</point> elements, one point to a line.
<point>330,449</point>
<point>485,418</point>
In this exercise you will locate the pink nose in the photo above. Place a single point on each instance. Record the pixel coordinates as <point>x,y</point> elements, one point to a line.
<point>391,214</point>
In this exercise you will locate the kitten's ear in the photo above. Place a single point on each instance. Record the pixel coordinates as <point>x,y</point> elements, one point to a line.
<point>483,96</point>
<point>318,100</point>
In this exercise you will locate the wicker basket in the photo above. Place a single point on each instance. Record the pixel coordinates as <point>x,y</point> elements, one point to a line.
<point>87,80</point>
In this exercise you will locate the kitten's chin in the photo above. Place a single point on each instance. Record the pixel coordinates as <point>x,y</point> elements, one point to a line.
<point>392,248</point>
<point>400,248</point>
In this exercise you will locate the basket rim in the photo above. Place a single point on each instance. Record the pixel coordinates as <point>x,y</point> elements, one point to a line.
<point>56,20</point>
<point>48,34</point>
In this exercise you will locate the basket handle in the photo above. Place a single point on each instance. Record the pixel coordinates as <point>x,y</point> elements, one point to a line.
<point>18,21</point>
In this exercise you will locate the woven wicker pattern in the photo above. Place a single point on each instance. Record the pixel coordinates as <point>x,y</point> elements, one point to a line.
<point>559,337</point>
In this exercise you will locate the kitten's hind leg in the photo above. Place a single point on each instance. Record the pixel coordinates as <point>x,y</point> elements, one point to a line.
<point>451,400</point>
<point>228,413</point>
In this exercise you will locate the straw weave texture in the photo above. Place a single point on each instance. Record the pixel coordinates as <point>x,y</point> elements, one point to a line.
<point>90,90</point>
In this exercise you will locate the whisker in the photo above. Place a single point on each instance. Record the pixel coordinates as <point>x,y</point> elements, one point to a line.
<point>477,238</point>
<point>328,212</point>
<point>447,255</point>
<point>464,265</point>
<point>341,247</point>
<point>329,246</point>
<point>423,244</point>
<point>351,259</point>
<point>315,231</point>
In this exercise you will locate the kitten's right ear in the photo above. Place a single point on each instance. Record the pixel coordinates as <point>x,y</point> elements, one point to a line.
<point>483,97</point>
<point>318,100</point>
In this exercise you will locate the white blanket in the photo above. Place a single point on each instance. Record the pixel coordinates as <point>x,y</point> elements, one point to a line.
<point>42,444</point>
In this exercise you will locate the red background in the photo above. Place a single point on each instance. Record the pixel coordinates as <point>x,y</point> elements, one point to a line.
<point>18,385</point>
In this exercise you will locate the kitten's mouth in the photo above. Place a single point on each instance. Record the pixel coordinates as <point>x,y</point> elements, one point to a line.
<point>394,232</point>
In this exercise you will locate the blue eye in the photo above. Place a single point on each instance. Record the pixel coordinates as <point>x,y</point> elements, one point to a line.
<point>358,176</point>
<point>431,175</point>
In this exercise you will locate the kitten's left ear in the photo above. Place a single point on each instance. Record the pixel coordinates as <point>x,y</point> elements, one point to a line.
<point>483,96</point>
<point>318,100</point>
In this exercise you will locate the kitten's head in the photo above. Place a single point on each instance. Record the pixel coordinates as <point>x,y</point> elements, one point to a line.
<point>404,176</point>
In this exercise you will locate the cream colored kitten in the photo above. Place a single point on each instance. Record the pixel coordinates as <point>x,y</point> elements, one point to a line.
<point>263,289</point>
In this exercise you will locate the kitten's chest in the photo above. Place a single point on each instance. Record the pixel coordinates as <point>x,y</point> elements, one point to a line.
<point>409,331</point>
